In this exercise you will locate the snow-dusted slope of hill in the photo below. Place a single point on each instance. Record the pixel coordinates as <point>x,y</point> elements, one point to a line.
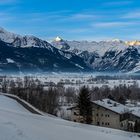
<point>22,41</point>
<point>7,36</point>
<point>17,125</point>
<point>9,104</point>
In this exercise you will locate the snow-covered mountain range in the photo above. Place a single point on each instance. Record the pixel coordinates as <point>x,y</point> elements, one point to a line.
<point>114,55</point>
<point>97,47</point>
<point>29,53</point>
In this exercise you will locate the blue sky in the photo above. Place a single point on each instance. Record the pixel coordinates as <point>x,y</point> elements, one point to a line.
<point>72,19</point>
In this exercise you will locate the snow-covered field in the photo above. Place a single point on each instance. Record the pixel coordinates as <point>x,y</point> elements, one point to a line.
<point>16,123</point>
<point>76,80</point>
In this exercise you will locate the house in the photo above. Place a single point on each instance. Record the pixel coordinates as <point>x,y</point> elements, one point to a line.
<point>134,117</point>
<point>108,113</point>
<point>105,113</point>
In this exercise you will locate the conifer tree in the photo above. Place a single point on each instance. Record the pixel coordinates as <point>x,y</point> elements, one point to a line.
<point>85,105</point>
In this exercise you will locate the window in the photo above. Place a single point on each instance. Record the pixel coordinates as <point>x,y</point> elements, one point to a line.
<point>98,123</point>
<point>97,114</point>
<point>107,123</point>
<point>74,120</point>
<point>102,123</point>
<point>107,115</point>
<point>75,113</point>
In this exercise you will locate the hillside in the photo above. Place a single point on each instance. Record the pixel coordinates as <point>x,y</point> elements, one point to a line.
<point>16,123</point>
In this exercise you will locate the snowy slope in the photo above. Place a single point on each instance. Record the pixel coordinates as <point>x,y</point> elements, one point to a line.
<point>7,36</point>
<point>23,41</point>
<point>19,126</point>
<point>11,105</point>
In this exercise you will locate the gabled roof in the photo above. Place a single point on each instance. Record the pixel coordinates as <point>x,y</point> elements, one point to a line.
<point>135,111</point>
<point>112,105</point>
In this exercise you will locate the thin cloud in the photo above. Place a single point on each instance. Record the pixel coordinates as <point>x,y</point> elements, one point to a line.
<point>83,16</point>
<point>113,24</point>
<point>118,3</point>
<point>132,15</point>
<point>56,17</point>
<point>5,2</point>
<point>6,17</point>
<point>79,17</point>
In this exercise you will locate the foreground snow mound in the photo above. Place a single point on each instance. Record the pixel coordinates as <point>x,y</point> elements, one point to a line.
<point>19,126</point>
<point>11,105</point>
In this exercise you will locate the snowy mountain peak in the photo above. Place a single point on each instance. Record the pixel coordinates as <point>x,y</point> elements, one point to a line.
<point>6,36</point>
<point>22,41</point>
<point>100,47</point>
<point>60,43</point>
<point>117,40</point>
<point>133,43</point>
<point>2,29</point>
<point>58,39</point>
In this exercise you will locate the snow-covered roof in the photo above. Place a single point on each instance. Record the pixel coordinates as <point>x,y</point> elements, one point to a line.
<point>112,105</point>
<point>135,111</point>
<point>134,107</point>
